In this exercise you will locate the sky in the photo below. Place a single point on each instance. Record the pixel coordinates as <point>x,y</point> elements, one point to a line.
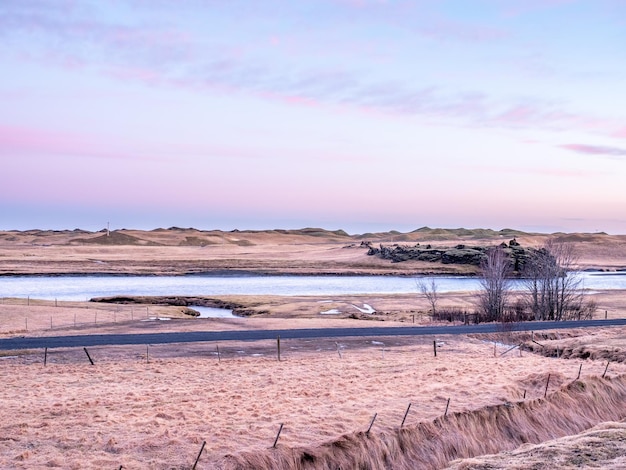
<point>361,115</point>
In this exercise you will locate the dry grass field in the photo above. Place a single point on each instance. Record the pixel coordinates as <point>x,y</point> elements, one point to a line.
<point>603,446</point>
<point>153,407</point>
<point>308,251</point>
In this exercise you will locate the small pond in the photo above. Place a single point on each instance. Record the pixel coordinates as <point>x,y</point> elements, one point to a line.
<point>213,312</point>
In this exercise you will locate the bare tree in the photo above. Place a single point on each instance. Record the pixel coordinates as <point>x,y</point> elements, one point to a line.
<point>538,271</point>
<point>429,290</point>
<point>496,284</point>
<point>554,285</point>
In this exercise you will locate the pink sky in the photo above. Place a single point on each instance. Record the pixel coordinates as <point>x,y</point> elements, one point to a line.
<point>362,115</point>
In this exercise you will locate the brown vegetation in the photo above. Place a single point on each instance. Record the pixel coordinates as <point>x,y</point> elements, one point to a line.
<point>576,407</point>
<point>603,446</point>
<point>307,251</point>
<point>153,407</point>
<point>154,411</point>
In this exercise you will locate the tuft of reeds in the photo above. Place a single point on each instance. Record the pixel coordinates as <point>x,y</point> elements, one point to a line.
<point>575,407</point>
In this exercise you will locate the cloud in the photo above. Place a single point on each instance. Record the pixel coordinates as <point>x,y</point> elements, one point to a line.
<point>423,18</point>
<point>538,171</point>
<point>152,48</point>
<point>620,133</point>
<point>32,142</point>
<point>446,30</point>
<point>611,152</point>
<point>77,33</point>
<point>524,7</point>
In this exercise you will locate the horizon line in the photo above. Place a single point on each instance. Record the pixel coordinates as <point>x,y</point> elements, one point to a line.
<point>310,228</point>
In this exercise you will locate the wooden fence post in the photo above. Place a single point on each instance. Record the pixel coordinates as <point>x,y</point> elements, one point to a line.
<point>372,423</point>
<point>199,454</point>
<point>405,415</point>
<point>545,393</point>
<point>88,356</point>
<point>277,436</point>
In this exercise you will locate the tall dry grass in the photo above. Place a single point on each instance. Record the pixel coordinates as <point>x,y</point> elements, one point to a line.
<point>575,407</point>
<point>603,446</point>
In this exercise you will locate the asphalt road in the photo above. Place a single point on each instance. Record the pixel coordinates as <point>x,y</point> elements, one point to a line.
<point>253,335</point>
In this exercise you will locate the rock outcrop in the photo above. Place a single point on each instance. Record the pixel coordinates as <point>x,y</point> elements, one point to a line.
<point>460,254</point>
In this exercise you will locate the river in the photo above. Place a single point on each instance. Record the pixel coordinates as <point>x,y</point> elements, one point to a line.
<point>86,287</point>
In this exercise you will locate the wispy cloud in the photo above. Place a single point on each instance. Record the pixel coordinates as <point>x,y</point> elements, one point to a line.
<point>522,7</point>
<point>538,171</point>
<point>620,133</point>
<point>612,152</point>
<point>77,33</point>
<point>447,30</point>
<point>424,19</point>
<point>36,143</point>
<point>159,52</point>
<point>26,142</point>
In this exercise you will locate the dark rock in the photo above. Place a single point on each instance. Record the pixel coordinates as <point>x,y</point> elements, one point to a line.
<point>460,254</point>
<point>473,256</point>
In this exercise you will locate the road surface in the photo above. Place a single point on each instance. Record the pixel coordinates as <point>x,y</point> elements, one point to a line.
<point>254,335</point>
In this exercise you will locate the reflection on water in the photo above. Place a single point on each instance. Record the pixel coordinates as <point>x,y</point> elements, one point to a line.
<point>213,312</point>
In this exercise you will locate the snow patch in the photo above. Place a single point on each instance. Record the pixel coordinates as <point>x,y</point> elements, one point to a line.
<point>365,309</point>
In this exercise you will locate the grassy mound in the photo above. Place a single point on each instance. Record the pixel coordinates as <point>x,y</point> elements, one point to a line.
<point>576,407</point>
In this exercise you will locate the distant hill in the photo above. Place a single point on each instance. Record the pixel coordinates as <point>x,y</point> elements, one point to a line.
<point>114,238</point>
<point>176,236</point>
<point>308,250</point>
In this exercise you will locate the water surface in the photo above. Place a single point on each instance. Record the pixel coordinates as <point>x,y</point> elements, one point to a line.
<point>87,287</point>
